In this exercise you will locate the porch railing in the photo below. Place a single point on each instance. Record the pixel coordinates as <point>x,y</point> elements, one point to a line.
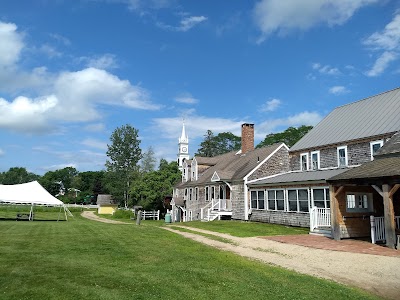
<point>320,217</point>
<point>378,228</point>
<point>213,206</point>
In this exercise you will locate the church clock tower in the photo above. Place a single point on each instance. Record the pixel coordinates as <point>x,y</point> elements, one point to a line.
<point>183,151</point>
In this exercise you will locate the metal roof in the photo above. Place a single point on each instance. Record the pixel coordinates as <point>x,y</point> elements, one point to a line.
<point>372,116</point>
<point>391,147</point>
<point>293,177</point>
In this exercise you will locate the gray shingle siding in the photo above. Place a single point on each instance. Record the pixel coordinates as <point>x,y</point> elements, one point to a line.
<point>278,163</point>
<point>281,217</point>
<point>237,198</point>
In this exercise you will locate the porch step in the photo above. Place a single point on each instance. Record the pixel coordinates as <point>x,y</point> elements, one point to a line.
<point>322,231</point>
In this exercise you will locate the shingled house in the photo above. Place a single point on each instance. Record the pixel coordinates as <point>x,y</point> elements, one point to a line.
<point>366,200</point>
<point>216,187</point>
<point>346,138</point>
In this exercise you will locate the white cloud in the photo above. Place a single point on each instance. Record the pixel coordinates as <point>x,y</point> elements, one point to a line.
<point>11,44</point>
<point>326,70</point>
<point>338,90</point>
<point>2,152</point>
<point>386,41</point>
<point>271,105</point>
<point>93,143</point>
<point>185,24</point>
<point>95,127</point>
<point>59,38</point>
<point>272,125</point>
<point>382,63</point>
<point>50,51</point>
<point>105,62</point>
<point>186,98</point>
<point>276,16</point>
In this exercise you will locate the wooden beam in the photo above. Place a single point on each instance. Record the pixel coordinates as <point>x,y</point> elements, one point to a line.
<point>390,226</point>
<point>339,190</point>
<point>393,190</point>
<point>378,189</point>
<point>335,212</point>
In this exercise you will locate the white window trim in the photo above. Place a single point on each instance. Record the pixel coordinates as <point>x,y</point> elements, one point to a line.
<point>207,193</point>
<point>371,145</point>
<point>196,193</point>
<point>284,200</point>
<point>346,156</point>
<point>319,188</point>
<point>257,208</point>
<point>297,200</point>
<point>301,161</point>
<point>318,160</point>
<point>370,207</point>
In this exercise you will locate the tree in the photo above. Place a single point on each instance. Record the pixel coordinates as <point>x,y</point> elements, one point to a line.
<point>62,179</point>
<point>17,175</point>
<point>290,136</point>
<point>124,154</point>
<point>148,161</point>
<point>216,145</point>
<point>151,188</point>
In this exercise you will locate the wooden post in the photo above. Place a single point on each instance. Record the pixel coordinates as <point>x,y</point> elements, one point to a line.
<point>335,212</point>
<point>373,237</point>
<point>390,226</point>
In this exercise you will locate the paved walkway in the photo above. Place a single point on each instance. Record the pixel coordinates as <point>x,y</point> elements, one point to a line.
<point>321,242</point>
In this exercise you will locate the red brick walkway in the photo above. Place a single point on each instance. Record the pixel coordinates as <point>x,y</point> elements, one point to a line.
<point>348,245</point>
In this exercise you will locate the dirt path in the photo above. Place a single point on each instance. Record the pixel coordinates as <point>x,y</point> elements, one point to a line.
<point>377,274</point>
<point>90,215</point>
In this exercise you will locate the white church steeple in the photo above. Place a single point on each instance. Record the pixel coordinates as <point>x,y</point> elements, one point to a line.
<point>183,151</point>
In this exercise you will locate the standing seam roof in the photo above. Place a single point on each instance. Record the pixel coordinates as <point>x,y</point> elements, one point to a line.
<point>372,116</point>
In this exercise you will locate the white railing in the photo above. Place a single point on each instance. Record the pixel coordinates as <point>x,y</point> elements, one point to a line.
<point>320,217</point>
<point>214,206</point>
<point>154,214</point>
<point>378,233</point>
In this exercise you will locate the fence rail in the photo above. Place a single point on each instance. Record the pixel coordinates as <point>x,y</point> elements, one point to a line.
<point>87,206</point>
<point>154,215</point>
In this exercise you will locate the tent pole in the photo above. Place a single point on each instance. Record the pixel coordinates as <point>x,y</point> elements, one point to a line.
<point>58,219</point>
<point>31,213</point>
<point>65,213</point>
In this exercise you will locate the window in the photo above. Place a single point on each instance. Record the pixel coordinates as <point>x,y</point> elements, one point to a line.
<point>257,200</point>
<point>320,197</point>
<point>315,160</point>
<point>298,200</point>
<point>186,193</point>
<point>222,192</point>
<point>342,156</point>
<point>190,194</point>
<point>196,194</point>
<point>304,161</point>
<point>375,146</point>
<point>206,193</point>
<point>359,202</point>
<point>212,196</point>
<point>276,199</point>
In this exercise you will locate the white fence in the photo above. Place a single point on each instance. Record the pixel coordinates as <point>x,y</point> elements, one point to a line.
<point>378,228</point>
<point>320,217</point>
<point>87,206</point>
<point>153,215</point>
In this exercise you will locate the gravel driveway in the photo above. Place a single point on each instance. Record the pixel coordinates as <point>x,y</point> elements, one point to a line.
<point>377,274</point>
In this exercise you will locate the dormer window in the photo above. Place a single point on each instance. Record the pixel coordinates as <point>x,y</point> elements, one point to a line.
<point>342,156</point>
<point>375,146</point>
<point>304,161</point>
<point>315,163</point>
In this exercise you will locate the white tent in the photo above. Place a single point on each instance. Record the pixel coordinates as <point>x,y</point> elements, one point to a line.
<point>31,193</point>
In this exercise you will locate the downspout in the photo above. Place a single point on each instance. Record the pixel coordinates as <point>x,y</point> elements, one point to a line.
<point>246,200</point>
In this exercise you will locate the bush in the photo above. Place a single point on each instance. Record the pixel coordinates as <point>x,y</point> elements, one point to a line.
<point>122,214</point>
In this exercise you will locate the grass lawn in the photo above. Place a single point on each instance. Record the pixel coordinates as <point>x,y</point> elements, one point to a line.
<point>84,259</point>
<point>246,229</point>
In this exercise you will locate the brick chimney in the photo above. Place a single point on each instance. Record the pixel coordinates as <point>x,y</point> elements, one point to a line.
<point>247,137</point>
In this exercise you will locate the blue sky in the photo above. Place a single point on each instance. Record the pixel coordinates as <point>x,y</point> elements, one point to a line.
<point>73,71</point>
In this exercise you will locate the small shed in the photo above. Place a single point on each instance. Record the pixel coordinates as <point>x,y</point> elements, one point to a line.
<point>106,204</point>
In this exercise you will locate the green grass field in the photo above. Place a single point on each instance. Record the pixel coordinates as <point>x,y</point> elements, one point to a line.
<point>247,229</point>
<point>83,259</point>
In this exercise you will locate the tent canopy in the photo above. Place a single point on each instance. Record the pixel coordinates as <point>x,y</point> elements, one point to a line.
<point>31,193</point>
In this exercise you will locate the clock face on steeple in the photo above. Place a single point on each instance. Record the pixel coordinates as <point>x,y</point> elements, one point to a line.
<point>184,149</point>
